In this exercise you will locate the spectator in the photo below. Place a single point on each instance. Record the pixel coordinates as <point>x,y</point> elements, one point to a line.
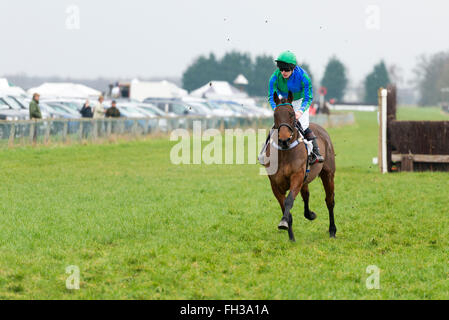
<point>86,110</point>
<point>35,111</point>
<point>115,92</point>
<point>99,109</point>
<point>113,112</point>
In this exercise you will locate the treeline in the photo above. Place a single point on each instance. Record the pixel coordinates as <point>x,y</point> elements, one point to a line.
<point>259,70</point>
<point>432,74</point>
<point>205,69</point>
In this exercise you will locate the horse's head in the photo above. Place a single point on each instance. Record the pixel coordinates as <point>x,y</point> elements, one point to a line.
<point>284,119</point>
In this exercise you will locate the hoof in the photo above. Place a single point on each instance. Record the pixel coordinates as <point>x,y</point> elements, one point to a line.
<point>283,225</point>
<point>310,215</point>
<point>332,234</point>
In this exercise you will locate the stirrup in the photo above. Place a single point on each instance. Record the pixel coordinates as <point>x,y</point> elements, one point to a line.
<point>313,158</point>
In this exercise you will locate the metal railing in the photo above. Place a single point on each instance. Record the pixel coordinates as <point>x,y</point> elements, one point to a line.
<point>17,133</point>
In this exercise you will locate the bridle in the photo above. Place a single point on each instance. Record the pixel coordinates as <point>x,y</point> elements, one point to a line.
<point>284,124</point>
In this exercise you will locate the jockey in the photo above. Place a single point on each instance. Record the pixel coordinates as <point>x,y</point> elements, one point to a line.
<point>290,77</point>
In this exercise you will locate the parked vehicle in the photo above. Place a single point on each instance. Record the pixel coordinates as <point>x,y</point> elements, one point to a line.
<point>63,109</point>
<point>11,110</point>
<point>200,108</point>
<point>73,104</point>
<point>154,110</point>
<point>221,108</point>
<point>177,107</point>
<point>249,110</point>
<point>54,111</point>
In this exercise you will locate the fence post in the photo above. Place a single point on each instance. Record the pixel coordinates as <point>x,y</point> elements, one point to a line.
<point>64,131</point>
<point>157,129</point>
<point>81,129</point>
<point>134,129</point>
<point>382,151</point>
<point>147,126</point>
<point>47,132</point>
<point>12,133</point>
<point>32,126</point>
<point>109,129</point>
<point>94,130</point>
<point>407,163</point>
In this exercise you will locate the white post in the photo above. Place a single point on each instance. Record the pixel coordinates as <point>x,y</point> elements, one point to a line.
<point>384,131</point>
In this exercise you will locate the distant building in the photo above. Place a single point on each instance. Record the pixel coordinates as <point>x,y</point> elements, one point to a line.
<point>241,82</point>
<point>354,95</point>
<point>140,90</point>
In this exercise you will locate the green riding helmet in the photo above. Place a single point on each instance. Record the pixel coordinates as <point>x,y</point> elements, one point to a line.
<point>287,57</point>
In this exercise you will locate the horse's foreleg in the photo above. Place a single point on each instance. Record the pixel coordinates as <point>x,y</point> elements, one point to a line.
<point>305,196</point>
<point>287,219</point>
<point>279,196</point>
<point>328,183</point>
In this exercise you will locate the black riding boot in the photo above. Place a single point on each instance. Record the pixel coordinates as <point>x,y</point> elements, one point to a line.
<point>316,151</point>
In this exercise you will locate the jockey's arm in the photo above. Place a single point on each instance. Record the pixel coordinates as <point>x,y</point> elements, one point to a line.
<point>272,85</point>
<point>308,93</point>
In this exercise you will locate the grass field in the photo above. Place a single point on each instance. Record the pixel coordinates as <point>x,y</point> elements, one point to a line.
<point>138,227</point>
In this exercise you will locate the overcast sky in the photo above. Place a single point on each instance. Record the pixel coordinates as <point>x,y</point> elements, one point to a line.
<point>137,38</point>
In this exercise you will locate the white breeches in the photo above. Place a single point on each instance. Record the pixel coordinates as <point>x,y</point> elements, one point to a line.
<point>304,120</point>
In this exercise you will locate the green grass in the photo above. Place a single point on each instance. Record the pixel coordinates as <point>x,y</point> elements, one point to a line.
<point>139,227</point>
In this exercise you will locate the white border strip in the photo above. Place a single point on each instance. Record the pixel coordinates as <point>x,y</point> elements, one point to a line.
<point>384,131</point>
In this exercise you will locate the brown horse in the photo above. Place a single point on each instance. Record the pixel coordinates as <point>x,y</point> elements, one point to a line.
<point>292,165</point>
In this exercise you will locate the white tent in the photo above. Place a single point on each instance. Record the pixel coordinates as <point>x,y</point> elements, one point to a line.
<point>65,90</point>
<point>222,90</point>
<point>141,90</point>
<point>218,90</point>
<point>6,88</point>
<point>241,80</point>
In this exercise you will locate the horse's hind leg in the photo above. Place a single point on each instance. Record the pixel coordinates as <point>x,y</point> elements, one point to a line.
<point>305,196</point>
<point>328,183</point>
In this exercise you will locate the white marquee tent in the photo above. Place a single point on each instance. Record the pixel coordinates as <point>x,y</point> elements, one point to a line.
<point>64,90</point>
<point>222,90</point>
<point>241,80</point>
<point>141,90</point>
<point>218,90</point>
<point>6,88</point>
